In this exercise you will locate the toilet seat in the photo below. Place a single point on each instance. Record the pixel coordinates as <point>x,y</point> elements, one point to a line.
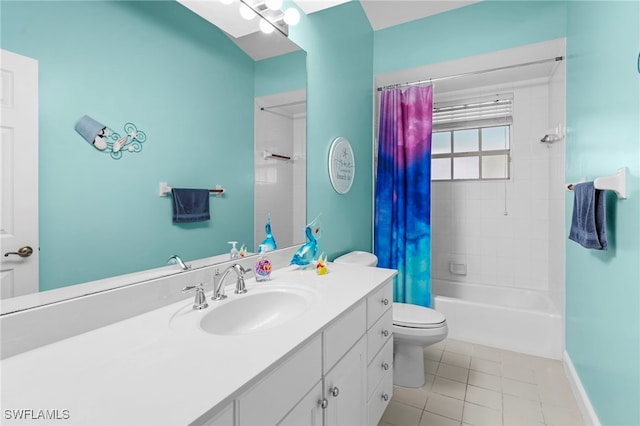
<point>414,316</point>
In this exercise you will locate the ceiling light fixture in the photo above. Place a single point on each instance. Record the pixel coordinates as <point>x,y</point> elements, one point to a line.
<point>291,16</point>
<point>273,4</point>
<point>271,18</point>
<point>266,26</point>
<point>247,11</point>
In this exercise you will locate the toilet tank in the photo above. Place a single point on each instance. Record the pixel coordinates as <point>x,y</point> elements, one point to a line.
<point>358,258</point>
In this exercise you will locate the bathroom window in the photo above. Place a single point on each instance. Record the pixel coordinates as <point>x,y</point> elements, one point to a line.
<point>471,154</point>
<point>471,139</point>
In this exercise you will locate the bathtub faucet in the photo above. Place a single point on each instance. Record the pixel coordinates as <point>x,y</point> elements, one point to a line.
<point>176,259</point>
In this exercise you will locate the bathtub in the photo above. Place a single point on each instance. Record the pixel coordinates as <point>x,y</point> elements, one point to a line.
<point>519,320</point>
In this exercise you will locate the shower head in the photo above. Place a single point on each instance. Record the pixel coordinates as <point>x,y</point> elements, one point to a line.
<point>549,138</point>
<point>552,135</point>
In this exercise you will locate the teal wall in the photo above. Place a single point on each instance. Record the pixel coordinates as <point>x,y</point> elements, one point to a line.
<point>476,29</point>
<point>281,74</point>
<point>159,66</point>
<point>339,46</point>
<point>603,122</point>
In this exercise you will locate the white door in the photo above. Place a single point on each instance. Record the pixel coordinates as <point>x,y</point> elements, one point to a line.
<point>19,175</point>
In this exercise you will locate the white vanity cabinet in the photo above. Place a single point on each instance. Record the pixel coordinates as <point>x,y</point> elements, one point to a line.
<point>341,376</point>
<point>345,369</point>
<point>223,418</point>
<point>379,352</point>
<point>269,400</point>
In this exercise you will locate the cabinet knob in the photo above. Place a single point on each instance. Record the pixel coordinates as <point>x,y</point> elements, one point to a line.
<point>385,396</point>
<point>323,403</point>
<point>385,366</point>
<point>385,333</point>
<point>385,301</point>
<point>334,391</point>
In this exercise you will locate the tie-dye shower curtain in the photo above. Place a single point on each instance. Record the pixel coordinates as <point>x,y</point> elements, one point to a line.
<point>402,231</point>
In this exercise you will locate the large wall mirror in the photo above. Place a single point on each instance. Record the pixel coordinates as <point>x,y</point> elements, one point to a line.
<point>201,96</point>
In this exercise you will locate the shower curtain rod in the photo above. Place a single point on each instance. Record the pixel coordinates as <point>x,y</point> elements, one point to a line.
<point>283,105</point>
<point>449,77</point>
<point>268,108</point>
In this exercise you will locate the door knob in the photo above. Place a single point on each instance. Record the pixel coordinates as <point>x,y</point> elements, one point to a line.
<point>25,251</point>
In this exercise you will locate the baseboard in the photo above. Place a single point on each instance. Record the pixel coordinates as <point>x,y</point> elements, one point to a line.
<point>586,409</point>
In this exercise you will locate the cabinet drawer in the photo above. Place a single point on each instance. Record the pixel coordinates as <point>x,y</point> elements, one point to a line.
<point>380,399</point>
<point>379,302</point>
<point>382,364</point>
<point>379,333</point>
<point>340,336</point>
<point>269,400</point>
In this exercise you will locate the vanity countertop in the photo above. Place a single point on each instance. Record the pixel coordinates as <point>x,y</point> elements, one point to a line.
<point>143,371</point>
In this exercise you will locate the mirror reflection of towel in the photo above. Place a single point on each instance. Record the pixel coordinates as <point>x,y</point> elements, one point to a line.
<point>190,205</point>
<point>588,224</point>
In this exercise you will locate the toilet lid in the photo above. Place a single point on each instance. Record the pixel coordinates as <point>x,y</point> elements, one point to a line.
<point>414,316</point>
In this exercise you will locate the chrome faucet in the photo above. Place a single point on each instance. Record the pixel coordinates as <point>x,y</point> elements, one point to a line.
<point>218,288</point>
<point>176,259</point>
<point>200,301</point>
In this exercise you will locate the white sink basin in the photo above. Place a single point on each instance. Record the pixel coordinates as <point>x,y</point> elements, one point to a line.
<point>257,310</point>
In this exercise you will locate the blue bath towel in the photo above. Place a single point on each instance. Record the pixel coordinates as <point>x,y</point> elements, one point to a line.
<point>588,225</point>
<point>190,205</point>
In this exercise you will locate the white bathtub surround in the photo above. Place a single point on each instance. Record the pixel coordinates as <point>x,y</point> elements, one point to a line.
<point>144,371</point>
<point>578,391</point>
<point>518,320</point>
<point>511,234</point>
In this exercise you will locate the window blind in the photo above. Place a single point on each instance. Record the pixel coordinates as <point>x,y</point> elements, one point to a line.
<point>496,110</point>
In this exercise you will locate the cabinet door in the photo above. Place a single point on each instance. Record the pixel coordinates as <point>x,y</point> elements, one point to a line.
<point>308,411</point>
<point>345,388</point>
<point>269,400</point>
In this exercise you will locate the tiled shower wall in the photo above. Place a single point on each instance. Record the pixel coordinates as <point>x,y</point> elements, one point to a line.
<point>508,232</point>
<point>280,186</point>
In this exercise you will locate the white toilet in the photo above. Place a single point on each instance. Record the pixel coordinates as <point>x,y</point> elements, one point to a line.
<point>414,328</point>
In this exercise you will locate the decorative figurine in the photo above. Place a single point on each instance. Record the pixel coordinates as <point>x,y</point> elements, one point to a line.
<point>308,250</point>
<point>321,265</point>
<point>269,242</point>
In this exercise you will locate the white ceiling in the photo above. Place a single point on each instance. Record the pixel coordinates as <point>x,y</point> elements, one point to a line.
<point>387,13</point>
<point>246,34</point>
<point>472,70</point>
<point>383,14</point>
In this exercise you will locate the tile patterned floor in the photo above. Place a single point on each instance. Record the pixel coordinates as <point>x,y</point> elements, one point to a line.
<point>469,384</point>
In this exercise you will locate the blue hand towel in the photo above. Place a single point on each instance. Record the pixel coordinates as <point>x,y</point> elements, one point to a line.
<point>588,225</point>
<point>190,205</point>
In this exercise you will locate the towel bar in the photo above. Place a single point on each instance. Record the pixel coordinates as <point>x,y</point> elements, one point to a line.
<point>268,154</point>
<point>616,183</point>
<point>166,190</point>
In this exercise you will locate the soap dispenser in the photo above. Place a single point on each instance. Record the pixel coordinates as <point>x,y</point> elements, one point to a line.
<point>262,267</point>
<point>233,254</point>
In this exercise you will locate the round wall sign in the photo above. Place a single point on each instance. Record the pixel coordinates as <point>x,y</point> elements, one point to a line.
<point>342,166</point>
